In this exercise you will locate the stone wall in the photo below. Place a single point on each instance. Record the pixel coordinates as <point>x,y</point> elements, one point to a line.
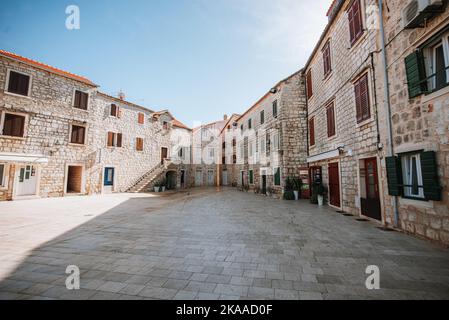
<point>421,123</point>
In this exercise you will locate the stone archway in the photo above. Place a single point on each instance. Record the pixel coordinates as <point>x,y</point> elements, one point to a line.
<point>171,178</point>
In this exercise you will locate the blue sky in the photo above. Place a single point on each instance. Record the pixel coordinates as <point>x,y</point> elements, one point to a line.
<point>198,58</point>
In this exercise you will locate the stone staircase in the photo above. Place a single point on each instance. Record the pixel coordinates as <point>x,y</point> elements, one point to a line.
<point>145,183</point>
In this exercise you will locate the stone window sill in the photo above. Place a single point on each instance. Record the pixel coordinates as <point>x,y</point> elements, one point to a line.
<point>17,95</point>
<point>77,144</point>
<point>13,138</point>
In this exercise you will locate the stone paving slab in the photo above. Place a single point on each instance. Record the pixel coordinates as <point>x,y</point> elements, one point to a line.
<point>211,244</point>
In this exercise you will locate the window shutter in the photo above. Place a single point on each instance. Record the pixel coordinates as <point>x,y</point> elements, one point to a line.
<point>277,177</point>
<point>110,139</point>
<point>416,74</point>
<point>364,98</point>
<point>113,110</point>
<point>84,100</point>
<point>119,112</point>
<point>77,102</point>
<point>309,84</point>
<point>394,176</point>
<point>312,131</point>
<point>330,120</point>
<point>429,168</point>
<point>119,140</point>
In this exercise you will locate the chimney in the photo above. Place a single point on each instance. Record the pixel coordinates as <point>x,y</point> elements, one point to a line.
<point>121,95</point>
<point>225,117</point>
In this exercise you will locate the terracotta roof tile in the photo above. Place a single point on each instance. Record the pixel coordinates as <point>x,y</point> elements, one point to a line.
<point>47,67</point>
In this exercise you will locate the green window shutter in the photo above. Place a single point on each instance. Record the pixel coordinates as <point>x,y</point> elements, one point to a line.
<point>251,177</point>
<point>394,176</point>
<point>416,74</point>
<point>277,177</point>
<point>429,168</point>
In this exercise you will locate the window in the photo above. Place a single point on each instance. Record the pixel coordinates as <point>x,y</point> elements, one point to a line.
<point>141,118</point>
<point>312,131</point>
<point>277,176</point>
<point>233,142</point>
<point>78,134</point>
<point>211,153</point>
<point>250,146</point>
<point>412,176</point>
<point>114,111</point>
<point>327,58</point>
<point>223,145</point>
<point>275,109</point>
<point>251,177</point>
<point>223,160</point>
<point>114,139</point>
<point>330,113</point>
<point>241,127</point>
<point>139,144</point>
<point>2,175</point>
<point>362,101</point>
<point>18,83</point>
<point>262,117</point>
<point>14,125</point>
<point>309,84</point>
<point>262,145</point>
<point>81,99</point>
<point>249,123</point>
<point>234,159</point>
<point>165,125</point>
<point>229,128</point>
<point>276,141</point>
<point>355,21</point>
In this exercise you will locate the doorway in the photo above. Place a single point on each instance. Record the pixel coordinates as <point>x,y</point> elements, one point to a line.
<point>210,177</point>
<point>183,178</point>
<point>74,179</point>
<point>264,184</point>
<point>334,185</point>
<point>164,154</point>
<point>26,181</point>
<point>369,189</point>
<point>109,175</point>
<point>198,178</point>
<point>225,177</point>
<point>171,180</point>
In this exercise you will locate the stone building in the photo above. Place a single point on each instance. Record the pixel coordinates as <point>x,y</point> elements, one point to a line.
<point>417,47</point>
<point>268,143</point>
<point>59,135</point>
<point>228,152</point>
<point>343,110</point>
<point>206,144</point>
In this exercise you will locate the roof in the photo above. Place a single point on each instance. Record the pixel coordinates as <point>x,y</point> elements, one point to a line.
<point>124,101</point>
<point>267,94</point>
<point>337,5</point>
<point>159,113</point>
<point>179,124</point>
<point>229,120</point>
<point>46,67</point>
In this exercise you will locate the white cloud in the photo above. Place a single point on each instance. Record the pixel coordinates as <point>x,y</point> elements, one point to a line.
<point>290,27</point>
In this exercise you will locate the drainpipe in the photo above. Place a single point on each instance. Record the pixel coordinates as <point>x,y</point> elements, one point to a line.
<point>387,104</point>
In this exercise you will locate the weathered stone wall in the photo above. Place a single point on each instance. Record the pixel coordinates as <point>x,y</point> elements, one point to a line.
<point>421,123</point>
<point>357,140</point>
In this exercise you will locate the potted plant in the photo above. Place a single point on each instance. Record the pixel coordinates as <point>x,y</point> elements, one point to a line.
<point>163,184</point>
<point>256,189</point>
<point>320,191</point>
<point>156,186</point>
<point>297,185</point>
<point>288,193</point>
<point>270,191</point>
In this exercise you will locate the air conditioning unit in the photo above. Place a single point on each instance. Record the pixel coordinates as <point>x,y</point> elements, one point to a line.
<point>418,11</point>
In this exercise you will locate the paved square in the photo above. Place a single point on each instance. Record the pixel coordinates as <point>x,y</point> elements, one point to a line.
<point>207,244</point>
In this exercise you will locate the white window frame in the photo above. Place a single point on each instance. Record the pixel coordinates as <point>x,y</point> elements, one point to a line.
<point>430,60</point>
<point>4,179</point>
<point>29,84</point>
<point>406,161</point>
<point>276,141</point>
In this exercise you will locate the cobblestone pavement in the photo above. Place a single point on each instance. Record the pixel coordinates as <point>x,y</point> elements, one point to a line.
<point>209,244</point>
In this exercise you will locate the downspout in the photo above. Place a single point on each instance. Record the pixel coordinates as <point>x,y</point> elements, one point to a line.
<point>387,104</point>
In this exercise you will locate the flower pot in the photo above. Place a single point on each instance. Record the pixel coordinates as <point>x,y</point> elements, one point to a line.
<point>320,199</point>
<point>162,189</point>
<point>296,194</point>
<point>156,189</point>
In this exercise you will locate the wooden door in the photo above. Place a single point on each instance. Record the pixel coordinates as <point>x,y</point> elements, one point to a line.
<point>164,154</point>
<point>370,204</point>
<point>334,184</point>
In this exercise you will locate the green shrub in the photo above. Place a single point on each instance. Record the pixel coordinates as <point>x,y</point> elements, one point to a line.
<point>289,195</point>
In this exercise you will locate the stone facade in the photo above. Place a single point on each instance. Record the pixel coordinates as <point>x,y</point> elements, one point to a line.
<point>419,123</point>
<point>271,134</point>
<point>45,162</point>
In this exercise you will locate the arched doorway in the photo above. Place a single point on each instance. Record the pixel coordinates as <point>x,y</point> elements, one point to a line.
<point>171,177</point>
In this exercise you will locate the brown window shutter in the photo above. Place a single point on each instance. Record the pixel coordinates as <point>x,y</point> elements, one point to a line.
<point>355,21</point>
<point>119,140</point>
<point>77,102</point>
<point>110,139</point>
<point>364,93</point>
<point>330,120</point>
<point>139,144</point>
<point>309,84</point>
<point>141,118</point>
<point>312,131</point>
<point>358,103</point>
<point>84,99</point>
<point>18,83</point>
<point>114,110</point>
<point>14,125</point>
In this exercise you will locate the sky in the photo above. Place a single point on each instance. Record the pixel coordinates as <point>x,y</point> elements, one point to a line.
<point>200,59</point>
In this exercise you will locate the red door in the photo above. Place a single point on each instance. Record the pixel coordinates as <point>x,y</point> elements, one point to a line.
<point>334,184</point>
<point>371,201</point>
